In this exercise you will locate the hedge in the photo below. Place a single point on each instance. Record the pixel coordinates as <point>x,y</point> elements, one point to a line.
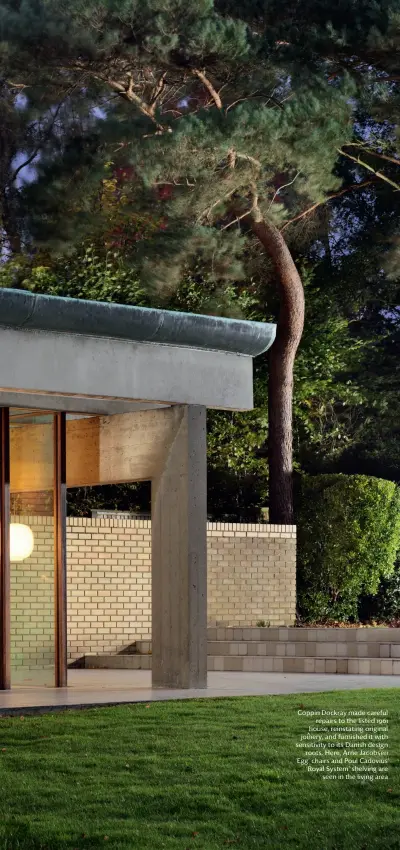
<point>348,538</point>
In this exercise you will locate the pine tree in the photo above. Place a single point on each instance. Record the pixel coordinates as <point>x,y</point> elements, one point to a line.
<point>232,122</point>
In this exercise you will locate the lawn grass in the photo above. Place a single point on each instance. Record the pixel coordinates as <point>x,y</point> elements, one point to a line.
<point>203,775</point>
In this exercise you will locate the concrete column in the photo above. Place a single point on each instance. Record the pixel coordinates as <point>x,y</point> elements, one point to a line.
<point>179,556</point>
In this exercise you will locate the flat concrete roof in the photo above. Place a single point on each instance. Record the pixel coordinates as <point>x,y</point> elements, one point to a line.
<point>91,357</point>
<point>25,310</point>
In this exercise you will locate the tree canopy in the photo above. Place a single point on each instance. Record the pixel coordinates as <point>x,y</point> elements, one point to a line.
<point>229,157</point>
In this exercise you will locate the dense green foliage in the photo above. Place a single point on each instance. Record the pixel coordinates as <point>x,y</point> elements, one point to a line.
<point>384,605</point>
<point>348,538</point>
<point>214,101</point>
<point>205,774</point>
<point>87,274</point>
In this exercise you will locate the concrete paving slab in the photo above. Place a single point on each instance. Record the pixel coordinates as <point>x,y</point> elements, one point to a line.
<point>111,687</point>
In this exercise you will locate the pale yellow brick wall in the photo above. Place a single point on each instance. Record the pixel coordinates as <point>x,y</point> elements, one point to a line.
<point>251,576</point>
<point>109,584</point>
<point>32,605</point>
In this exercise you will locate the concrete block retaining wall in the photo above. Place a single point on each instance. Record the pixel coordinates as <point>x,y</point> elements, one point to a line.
<point>374,651</point>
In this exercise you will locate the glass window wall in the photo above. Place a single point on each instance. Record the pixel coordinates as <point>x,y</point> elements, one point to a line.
<point>32,548</point>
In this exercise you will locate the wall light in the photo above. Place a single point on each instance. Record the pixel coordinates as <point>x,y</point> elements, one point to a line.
<point>21,541</point>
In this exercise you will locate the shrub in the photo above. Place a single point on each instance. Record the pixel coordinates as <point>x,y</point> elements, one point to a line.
<point>385,605</point>
<point>348,537</point>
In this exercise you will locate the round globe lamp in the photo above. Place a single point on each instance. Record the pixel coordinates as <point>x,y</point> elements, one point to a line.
<point>21,542</point>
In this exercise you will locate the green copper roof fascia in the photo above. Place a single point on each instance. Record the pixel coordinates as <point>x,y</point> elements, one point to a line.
<point>29,311</point>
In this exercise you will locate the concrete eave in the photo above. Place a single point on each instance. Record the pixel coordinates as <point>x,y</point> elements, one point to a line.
<point>90,374</point>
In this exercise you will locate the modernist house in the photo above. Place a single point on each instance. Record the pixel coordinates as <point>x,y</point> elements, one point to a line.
<point>94,393</point>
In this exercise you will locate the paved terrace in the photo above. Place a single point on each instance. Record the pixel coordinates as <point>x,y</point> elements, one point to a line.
<point>111,687</point>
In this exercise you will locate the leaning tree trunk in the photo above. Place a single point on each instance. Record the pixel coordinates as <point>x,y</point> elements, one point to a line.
<point>281,362</point>
<point>9,222</point>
